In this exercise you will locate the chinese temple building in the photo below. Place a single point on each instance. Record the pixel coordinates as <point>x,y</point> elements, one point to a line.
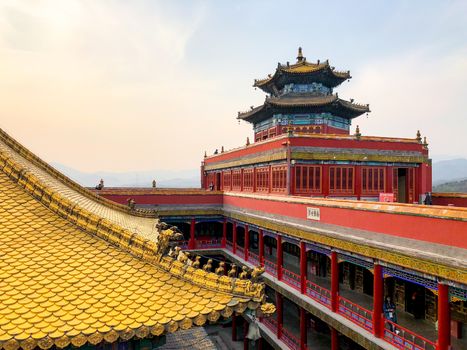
<point>303,145</point>
<point>353,258</point>
<point>77,270</point>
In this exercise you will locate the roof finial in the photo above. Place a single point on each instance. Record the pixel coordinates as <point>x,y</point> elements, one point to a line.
<point>357,133</point>
<point>419,136</point>
<point>300,57</point>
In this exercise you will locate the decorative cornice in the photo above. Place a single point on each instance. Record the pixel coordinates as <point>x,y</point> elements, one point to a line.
<point>424,266</point>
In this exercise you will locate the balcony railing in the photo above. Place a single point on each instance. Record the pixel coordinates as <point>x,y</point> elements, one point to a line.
<point>318,293</point>
<point>292,279</point>
<point>229,245</point>
<point>271,323</point>
<point>253,258</point>
<point>184,244</point>
<point>240,251</point>
<point>291,340</point>
<point>355,313</point>
<point>209,243</point>
<point>270,267</point>
<point>402,338</point>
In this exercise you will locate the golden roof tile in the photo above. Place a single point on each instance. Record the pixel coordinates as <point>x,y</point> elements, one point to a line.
<point>62,281</point>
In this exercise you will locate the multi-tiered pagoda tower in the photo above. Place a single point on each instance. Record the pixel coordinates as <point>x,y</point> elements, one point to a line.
<point>303,145</point>
<point>301,98</point>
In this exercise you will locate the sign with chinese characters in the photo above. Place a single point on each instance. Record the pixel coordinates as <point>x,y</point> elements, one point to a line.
<point>386,197</point>
<point>312,213</point>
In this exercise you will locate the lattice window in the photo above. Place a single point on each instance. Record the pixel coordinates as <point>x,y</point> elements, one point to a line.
<point>406,276</point>
<point>307,179</point>
<point>262,179</point>
<point>227,180</point>
<point>236,180</point>
<point>279,178</point>
<point>373,180</point>
<point>248,179</point>
<point>341,179</point>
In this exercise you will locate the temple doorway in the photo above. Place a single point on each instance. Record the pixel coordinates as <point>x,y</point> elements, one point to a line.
<point>402,185</point>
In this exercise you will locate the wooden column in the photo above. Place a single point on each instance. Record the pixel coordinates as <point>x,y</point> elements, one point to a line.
<point>192,242</point>
<point>303,271</point>
<point>389,178</point>
<point>334,282</point>
<point>280,317</point>
<point>234,238</point>
<point>334,339</point>
<point>234,327</point>
<point>246,242</point>
<point>444,318</point>
<point>224,233</point>
<point>261,247</point>
<point>279,257</point>
<point>358,182</point>
<point>303,335</point>
<point>325,180</point>
<point>378,291</point>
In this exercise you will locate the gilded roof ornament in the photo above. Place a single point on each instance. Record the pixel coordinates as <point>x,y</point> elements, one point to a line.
<point>419,136</point>
<point>300,57</point>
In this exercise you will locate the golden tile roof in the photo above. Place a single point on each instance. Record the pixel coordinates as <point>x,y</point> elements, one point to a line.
<point>69,275</point>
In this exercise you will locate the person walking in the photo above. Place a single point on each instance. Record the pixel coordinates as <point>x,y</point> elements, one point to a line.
<point>389,310</point>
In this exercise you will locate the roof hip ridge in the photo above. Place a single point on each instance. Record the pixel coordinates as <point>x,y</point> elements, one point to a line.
<point>30,156</point>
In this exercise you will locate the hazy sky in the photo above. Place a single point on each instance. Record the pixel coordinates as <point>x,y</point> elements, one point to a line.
<point>141,85</point>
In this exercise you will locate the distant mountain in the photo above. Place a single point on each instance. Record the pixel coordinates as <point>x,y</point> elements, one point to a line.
<point>449,170</point>
<point>164,178</point>
<point>454,186</point>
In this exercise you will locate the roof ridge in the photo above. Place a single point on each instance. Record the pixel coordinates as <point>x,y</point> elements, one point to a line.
<point>30,156</point>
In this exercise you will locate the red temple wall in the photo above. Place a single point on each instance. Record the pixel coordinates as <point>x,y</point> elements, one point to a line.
<point>172,198</point>
<point>430,229</point>
<point>450,199</point>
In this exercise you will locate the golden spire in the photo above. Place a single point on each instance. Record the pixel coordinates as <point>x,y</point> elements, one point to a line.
<point>300,57</point>
<point>357,133</point>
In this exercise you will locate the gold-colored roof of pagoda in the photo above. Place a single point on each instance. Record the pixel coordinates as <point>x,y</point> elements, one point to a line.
<point>302,67</point>
<point>76,271</point>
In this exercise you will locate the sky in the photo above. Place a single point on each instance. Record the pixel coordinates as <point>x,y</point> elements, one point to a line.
<point>143,85</point>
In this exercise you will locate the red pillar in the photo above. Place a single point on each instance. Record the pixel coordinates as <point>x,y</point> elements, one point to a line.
<point>303,271</point>
<point>280,319</point>
<point>334,282</point>
<point>245,331</point>
<point>279,257</point>
<point>247,242</point>
<point>358,182</point>
<point>389,179</point>
<point>234,327</point>
<point>192,242</point>
<point>303,339</point>
<point>377,301</point>
<point>224,233</point>
<point>334,339</point>
<point>444,318</point>
<point>234,238</point>
<point>325,176</point>
<point>261,247</point>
